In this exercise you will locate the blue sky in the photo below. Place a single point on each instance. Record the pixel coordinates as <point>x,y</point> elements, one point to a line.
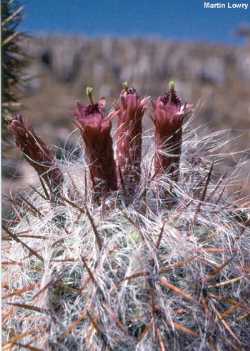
<point>173,19</point>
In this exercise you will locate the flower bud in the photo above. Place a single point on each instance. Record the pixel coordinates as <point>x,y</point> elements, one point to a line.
<point>168,115</point>
<point>95,129</point>
<point>129,139</point>
<point>36,152</point>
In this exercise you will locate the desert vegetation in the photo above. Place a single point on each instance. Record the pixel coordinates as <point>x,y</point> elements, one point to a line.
<point>139,243</point>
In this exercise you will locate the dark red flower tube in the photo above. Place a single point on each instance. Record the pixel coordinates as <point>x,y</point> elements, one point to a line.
<point>168,115</point>
<point>37,153</point>
<point>95,129</point>
<point>129,138</point>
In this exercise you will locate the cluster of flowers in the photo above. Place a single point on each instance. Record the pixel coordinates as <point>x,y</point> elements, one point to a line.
<point>111,172</point>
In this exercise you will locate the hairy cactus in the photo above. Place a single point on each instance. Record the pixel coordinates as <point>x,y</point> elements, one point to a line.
<point>118,276</point>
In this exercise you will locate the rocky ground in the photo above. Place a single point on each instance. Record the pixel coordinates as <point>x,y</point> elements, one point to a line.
<point>215,78</point>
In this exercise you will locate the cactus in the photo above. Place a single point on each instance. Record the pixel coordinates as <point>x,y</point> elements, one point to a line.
<point>116,277</point>
<point>13,57</point>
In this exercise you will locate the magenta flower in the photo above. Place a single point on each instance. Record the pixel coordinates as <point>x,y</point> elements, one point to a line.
<point>168,115</point>
<point>37,153</point>
<point>95,129</point>
<point>129,138</point>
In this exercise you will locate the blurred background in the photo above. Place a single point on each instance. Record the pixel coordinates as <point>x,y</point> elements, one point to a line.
<point>67,45</point>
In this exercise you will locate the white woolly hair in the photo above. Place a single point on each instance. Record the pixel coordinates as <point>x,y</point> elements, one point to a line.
<point>168,272</point>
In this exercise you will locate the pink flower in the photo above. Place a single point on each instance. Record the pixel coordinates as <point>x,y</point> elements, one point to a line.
<point>129,138</point>
<point>36,153</point>
<point>95,129</point>
<point>168,115</point>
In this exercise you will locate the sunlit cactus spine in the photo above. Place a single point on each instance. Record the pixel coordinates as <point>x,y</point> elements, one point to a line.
<point>113,277</point>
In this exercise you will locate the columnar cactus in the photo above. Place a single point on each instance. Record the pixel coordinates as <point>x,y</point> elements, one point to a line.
<point>168,115</point>
<point>14,59</point>
<point>95,129</point>
<point>36,152</point>
<point>129,139</point>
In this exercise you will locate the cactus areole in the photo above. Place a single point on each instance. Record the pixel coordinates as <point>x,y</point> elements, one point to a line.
<point>168,115</point>
<point>95,129</point>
